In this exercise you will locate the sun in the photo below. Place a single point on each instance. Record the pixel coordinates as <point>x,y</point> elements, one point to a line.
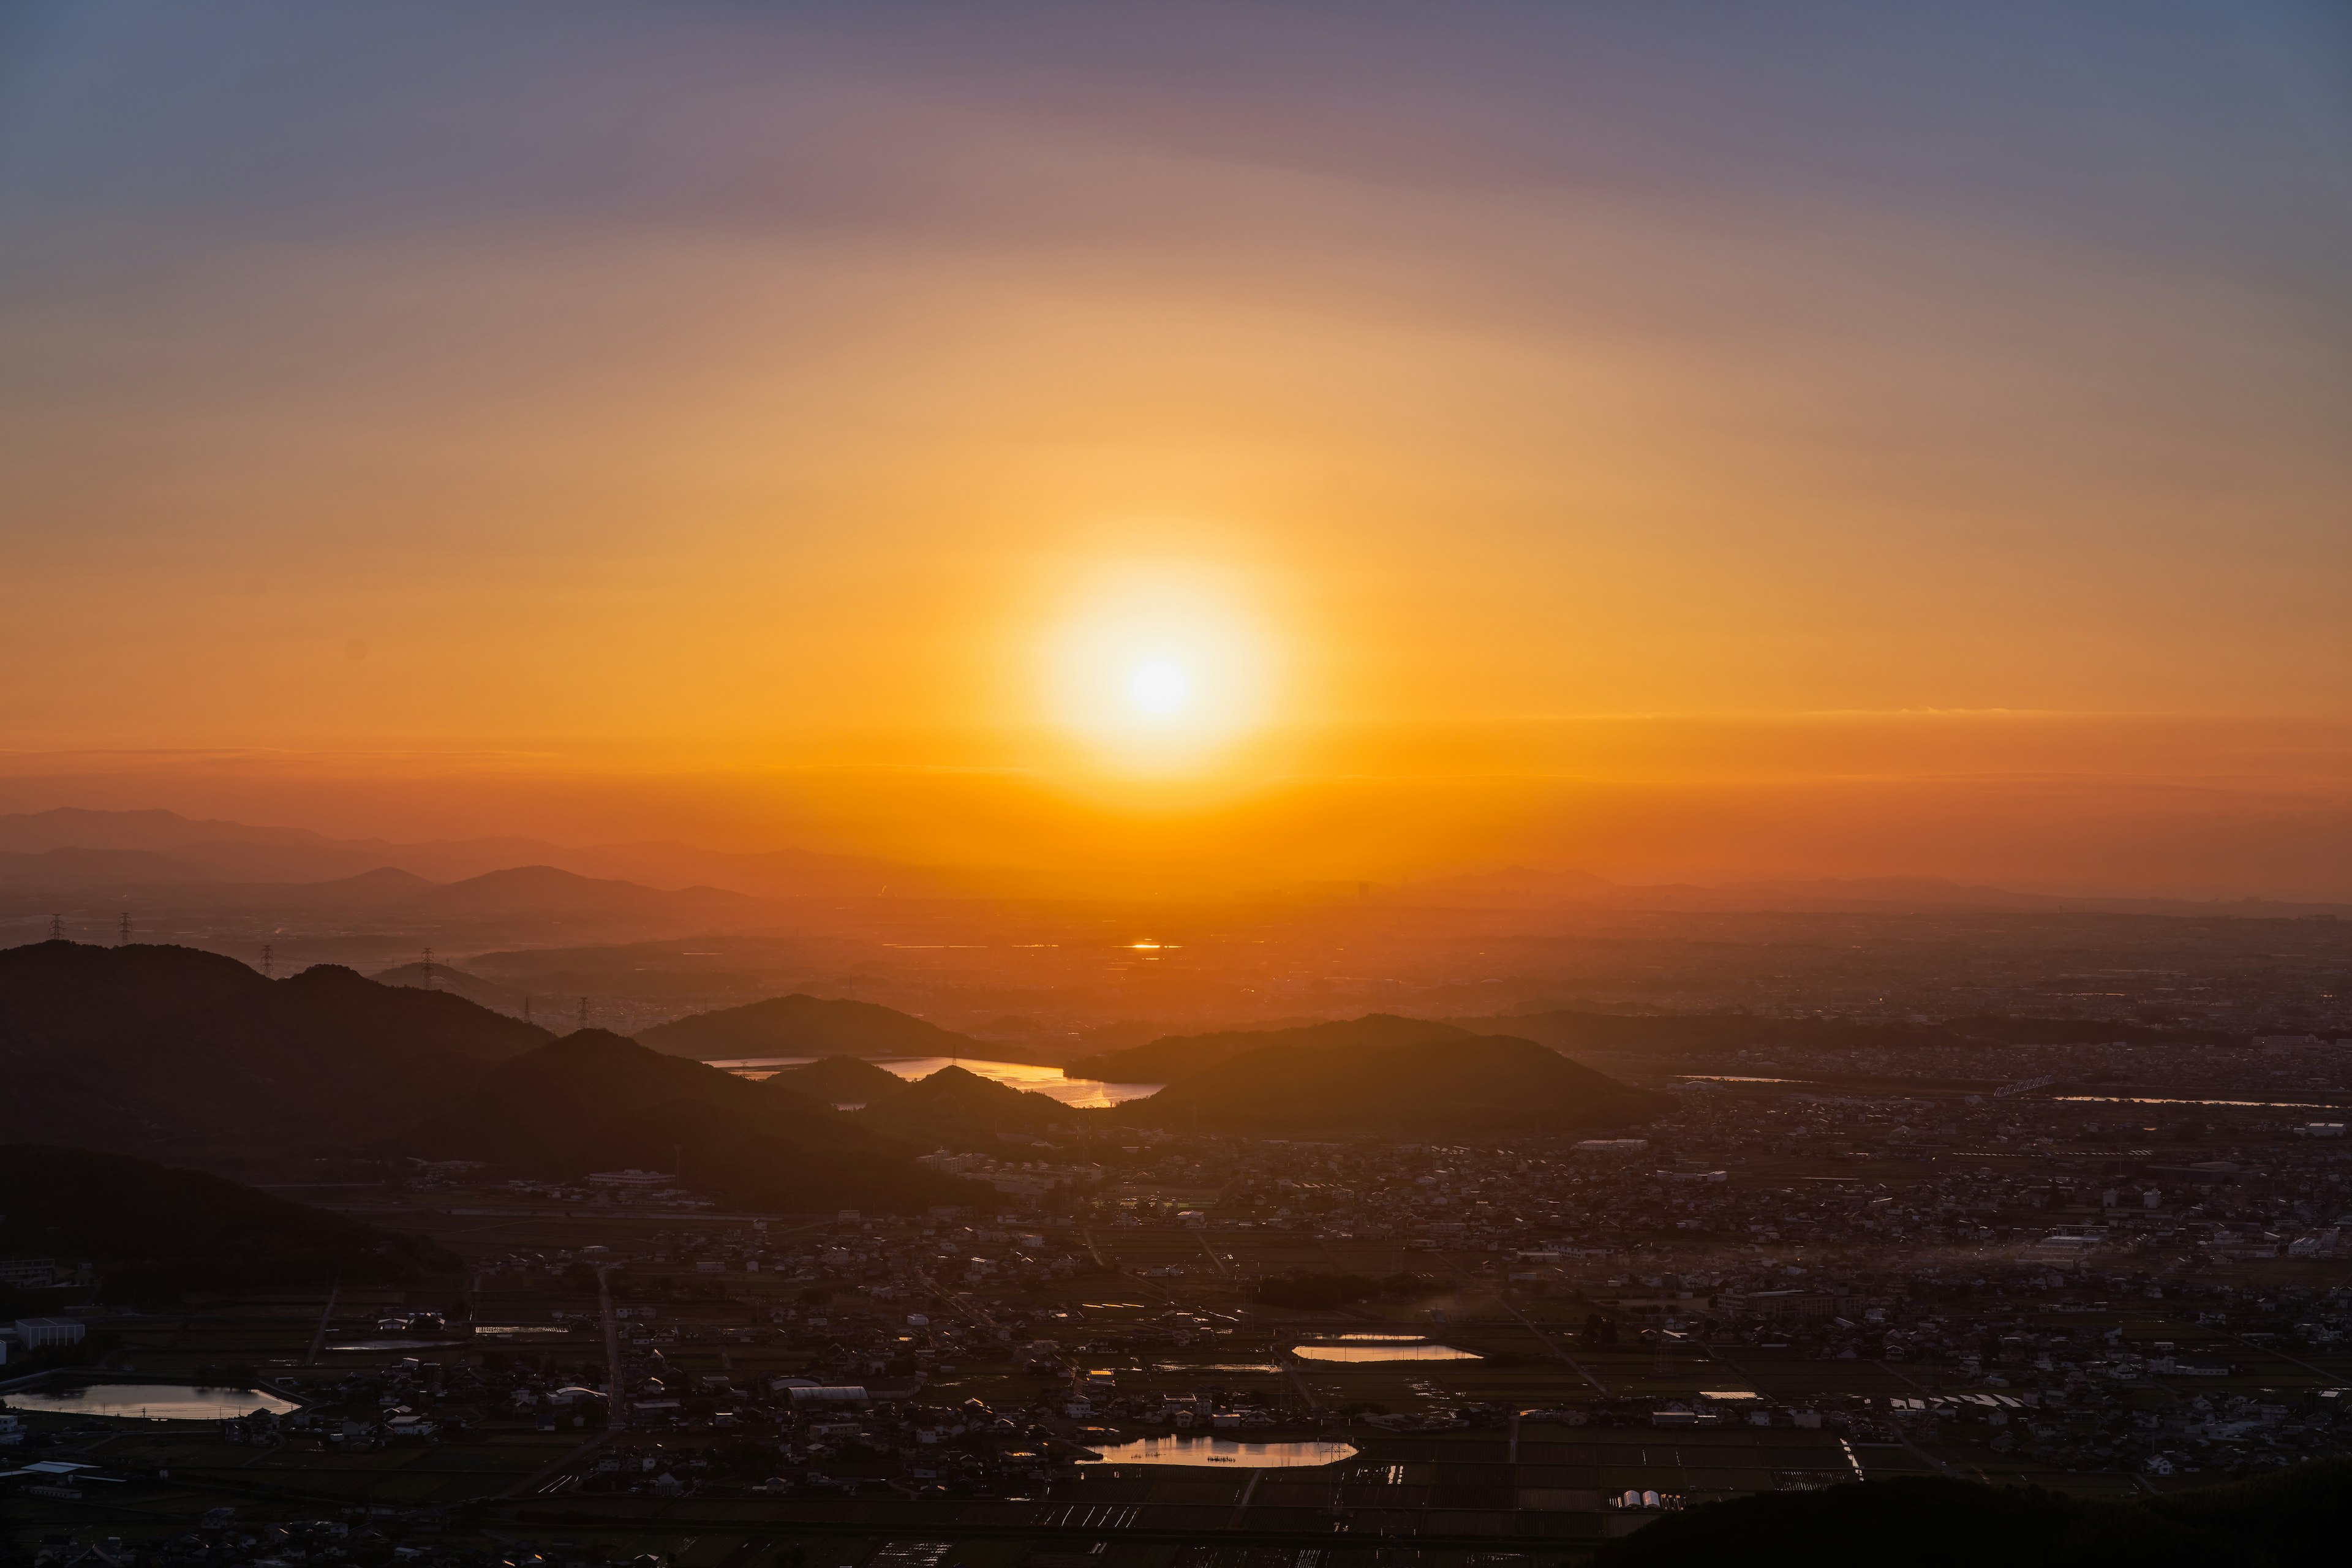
<point>1158,672</point>
<point>1160,686</point>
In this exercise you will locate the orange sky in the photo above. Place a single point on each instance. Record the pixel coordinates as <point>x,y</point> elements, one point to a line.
<point>674,427</point>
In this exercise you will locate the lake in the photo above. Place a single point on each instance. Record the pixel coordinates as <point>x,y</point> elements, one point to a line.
<point>1081,1093</point>
<point>158,1401</point>
<point>1381,1352</point>
<point>1191,1450</point>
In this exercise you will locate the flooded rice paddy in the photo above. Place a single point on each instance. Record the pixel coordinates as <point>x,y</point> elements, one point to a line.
<point>1188,1450</point>
<point>154,1401</point>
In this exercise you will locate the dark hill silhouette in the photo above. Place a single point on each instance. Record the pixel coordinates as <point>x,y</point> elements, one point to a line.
<point>146,1047</point>
<point>801,1025</point>
<point>595,1101</point>
<point>331,1050</point>
<point>838,1080</point>
<point>958,1107</point>
<point>1175,1056</point>
<point>1457,1084</point>
<point>153,1232</point>
<point>60,994</point>
<point>163,1047</point>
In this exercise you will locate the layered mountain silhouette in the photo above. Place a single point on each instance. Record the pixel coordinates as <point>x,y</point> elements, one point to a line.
<point>1374,1076</point>
<point>457,982</point>
<point>838,1080</point>
<point>147,1045</point>
<point>1175,1056</point>
<point>153,1232</point>
<point>159,1048</point>
<point>801,1025</point>
<point>176,850</point>
<point>957,1107</point>
<point>595,1101</point>
<point>191,849</point>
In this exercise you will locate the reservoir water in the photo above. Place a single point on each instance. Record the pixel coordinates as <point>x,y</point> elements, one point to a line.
<point>1082,1093</point>
<point>1189,1450</point>
<point>1389,1351</point>
<point>156,1401</point>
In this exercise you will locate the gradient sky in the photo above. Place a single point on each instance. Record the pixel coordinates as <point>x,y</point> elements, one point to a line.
<point>1563,397</point>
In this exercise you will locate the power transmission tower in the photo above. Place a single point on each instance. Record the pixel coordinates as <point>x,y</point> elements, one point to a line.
<point>584,1012</point>
<point>428,969</point>
<point>123,930</point>
<point>56,928</point>
<point>267,959</point>
<point>525,1009</point>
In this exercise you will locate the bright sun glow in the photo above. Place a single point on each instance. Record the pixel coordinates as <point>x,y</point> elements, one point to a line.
<point>1158,686</point>
<point>1158,672</point>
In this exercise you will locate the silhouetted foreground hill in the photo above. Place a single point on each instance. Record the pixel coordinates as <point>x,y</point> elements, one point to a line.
<point>2292,1518</point>
<point>169,1048</point>
<point>838,1080</point>
<point>155,1232</point>
<point>595,1101</point>
<point>958,1107</point>
<point>1173,1057</point>
<point>1448,1084</point>
<point>146,1047</point>
<point>798,1026</point>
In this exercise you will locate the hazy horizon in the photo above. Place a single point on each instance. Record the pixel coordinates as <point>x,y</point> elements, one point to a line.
<point>1872,441</point>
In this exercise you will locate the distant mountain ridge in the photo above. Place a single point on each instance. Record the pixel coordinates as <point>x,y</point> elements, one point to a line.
<point>190,849</point>
<point>804,1025</point>
<point>1525,888</point>
<point>193,851</point>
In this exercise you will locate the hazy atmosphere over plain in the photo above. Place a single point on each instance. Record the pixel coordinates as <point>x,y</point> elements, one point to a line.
<point>1677,442</point>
